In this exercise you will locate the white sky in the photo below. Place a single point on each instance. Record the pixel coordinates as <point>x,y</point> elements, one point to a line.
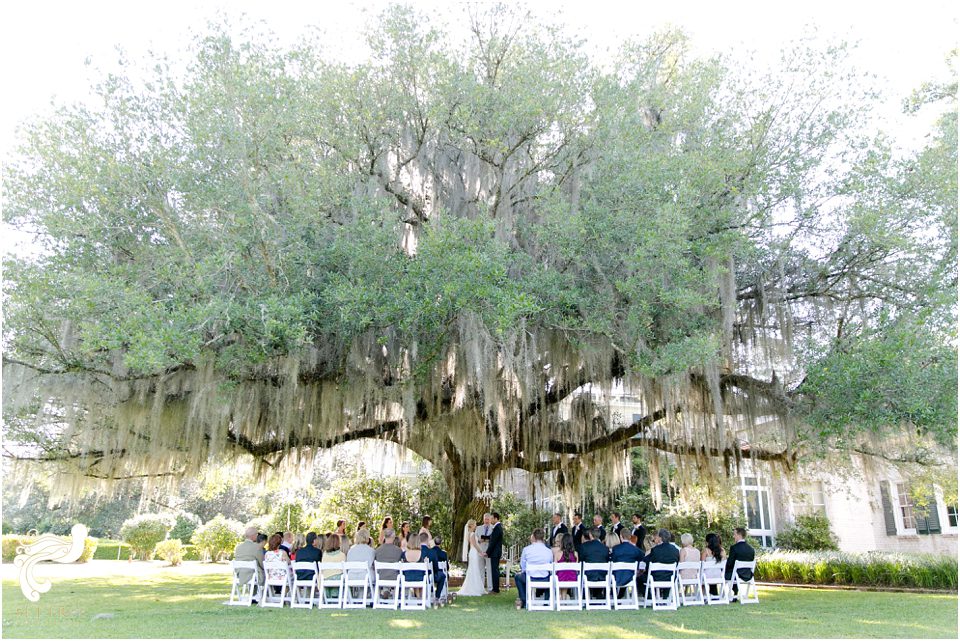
<point>44,44</point>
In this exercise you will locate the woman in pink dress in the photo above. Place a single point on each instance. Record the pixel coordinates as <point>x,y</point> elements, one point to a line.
<point>565,554</point>
<point>688,553</point>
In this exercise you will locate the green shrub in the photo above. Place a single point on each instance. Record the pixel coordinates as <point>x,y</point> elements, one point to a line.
<point>871,569</point>
<point>217,537</point>
<point>185,526</point>
<point>107,550</point>
<point>170,551</point>
<point>12,542</point>
<point>143,532</point>
<point>191,553</point>
<point>808,533</point>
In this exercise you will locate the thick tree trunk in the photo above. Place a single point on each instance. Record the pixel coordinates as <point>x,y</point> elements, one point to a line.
<point>465,507</point>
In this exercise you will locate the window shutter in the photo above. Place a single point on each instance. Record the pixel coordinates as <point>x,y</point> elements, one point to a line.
<point>928,519</point>
<point>888,519</point>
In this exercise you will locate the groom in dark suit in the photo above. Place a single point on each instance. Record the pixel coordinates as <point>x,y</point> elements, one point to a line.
<point>495,551</point>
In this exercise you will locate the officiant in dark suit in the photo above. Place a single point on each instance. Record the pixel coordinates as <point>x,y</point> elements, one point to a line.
<point>558,528</point>
<point>495,551</point>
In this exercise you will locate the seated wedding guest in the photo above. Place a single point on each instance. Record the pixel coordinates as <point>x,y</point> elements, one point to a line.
<point>688,553</point>
<point>309,553</point>
<point>662,552</point>
<point>564,552</point>
<point>249,550</point>
<point>612,540</point>
<point>430,552</point>
<point>441,555</point>
<point>389,552</point>
<point>332,553</point>
<point>361,551</point>
<point>712,553</point>
<point>413,554</point>
<point>739,551</point>
<point>713,548</point>
<point>275,553</point>
<point>387,523</point>
<point>537,553</point>
<point>299,541</point>
<point>262,539</point>
<point>287,543</point>
<point>625,552</point>
<point>593,551</point>
<point>404,534</point>
<point>361,525</point>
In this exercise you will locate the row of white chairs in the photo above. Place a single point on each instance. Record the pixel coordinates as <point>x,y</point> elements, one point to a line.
<point>688,583</point>
<point>354,585</point>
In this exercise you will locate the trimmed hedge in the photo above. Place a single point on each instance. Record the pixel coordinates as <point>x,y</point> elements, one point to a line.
<point>107,551</point>
<point>869,569</point>
<point>13,541</point>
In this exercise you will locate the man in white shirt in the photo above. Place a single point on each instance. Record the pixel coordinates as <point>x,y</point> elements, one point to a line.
<point>537,553</point>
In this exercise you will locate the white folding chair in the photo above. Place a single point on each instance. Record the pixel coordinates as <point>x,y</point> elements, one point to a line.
<point>357,586</point>
<point>408,598</point>
<point>543,582</point>
<point>444,568</point>
<point>590,601</point>
<point>575,586</point>
<point>383,586</point>
<point>654,593</point>
<point>631,598</point>
<point>334,581</point>
<point>746,589</point>
<point>276,574</point>
<point>712,575</point>
<point>244,592</point>
<point>693,596</point>
<point>304,590</point>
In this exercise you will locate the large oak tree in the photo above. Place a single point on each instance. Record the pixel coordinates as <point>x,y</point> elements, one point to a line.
<point>273,252</point>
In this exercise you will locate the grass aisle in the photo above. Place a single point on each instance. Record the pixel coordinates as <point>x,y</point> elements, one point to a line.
<point>173,605</point>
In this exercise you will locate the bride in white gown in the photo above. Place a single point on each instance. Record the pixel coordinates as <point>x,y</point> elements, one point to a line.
<point>473,581</point>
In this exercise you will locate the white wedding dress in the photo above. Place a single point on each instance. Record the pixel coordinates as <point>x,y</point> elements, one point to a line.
<point>473,581</point>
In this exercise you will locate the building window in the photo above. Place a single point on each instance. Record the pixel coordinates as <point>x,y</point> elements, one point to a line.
<point>756,507</point>
<point>952,515</point>
<point>810,500</point>
<point>906,507</point>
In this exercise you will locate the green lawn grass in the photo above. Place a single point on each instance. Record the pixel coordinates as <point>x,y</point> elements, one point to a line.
<point>173,605</point>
